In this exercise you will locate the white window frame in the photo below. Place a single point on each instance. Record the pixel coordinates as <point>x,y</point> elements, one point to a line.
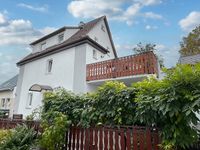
<point>8,102</point>
<point>29,100</point>
<point>3,102</point>
<point>59,38</point>
<point>48,70</point>
<point>94,54</point>
<point>43,46</point>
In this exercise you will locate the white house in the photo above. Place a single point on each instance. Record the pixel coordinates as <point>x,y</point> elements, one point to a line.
<point>79,59</point>
<point>7,96</point>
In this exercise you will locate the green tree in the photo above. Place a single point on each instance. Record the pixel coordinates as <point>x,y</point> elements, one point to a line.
<point>172,104</point>
<point>190,45</point>
<point>149,47</point>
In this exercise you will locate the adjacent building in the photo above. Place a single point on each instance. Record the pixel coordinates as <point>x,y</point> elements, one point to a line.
<point>79,59</point>
<point>7,97</point>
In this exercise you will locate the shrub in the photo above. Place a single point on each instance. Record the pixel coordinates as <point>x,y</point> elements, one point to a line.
<point>172,104</point>
<point>4,134</point>
<point>22,138</point>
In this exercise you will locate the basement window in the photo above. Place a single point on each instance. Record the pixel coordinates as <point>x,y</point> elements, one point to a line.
<point>49,65</point>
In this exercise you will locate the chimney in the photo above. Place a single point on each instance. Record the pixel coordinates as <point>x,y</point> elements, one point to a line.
<point>81,24</point>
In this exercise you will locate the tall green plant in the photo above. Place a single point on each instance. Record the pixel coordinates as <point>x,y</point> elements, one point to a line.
<point>172,104</point>
<point>112,104</point>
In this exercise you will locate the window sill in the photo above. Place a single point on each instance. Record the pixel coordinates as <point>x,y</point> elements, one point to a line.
<point>28,107</point>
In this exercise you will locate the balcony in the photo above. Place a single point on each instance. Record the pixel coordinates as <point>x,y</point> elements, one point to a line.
<point>130,66</point>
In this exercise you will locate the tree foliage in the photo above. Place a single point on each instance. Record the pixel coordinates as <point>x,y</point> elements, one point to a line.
<point>190,45</point>
<point>149,47</point>
<point>172,104</point>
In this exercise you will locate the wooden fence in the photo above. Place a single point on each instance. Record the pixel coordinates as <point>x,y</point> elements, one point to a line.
<point>101,138</point>
<point>107,138</point>
<point>145,63</point>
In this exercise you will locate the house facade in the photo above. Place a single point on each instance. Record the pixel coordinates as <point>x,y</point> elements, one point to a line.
<point>78,59</point>
<point>7,97</point>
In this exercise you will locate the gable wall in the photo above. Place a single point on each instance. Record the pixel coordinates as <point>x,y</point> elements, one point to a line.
<point>103,37</point>
<point>54,39</point>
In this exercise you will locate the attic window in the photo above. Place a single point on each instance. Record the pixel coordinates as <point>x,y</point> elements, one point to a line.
<point>60,38</point>
<point>103,28</point>
<point>95,39</point>
<point>43,46</point>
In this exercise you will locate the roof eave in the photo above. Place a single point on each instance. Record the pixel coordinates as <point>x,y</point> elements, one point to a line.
<point>64,47</point>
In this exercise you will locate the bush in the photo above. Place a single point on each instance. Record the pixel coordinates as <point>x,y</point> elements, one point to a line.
<point>172,104</point>
<point>4,134</point>
<point>21,138</point>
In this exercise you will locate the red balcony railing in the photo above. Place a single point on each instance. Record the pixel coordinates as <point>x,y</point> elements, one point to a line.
<point>145,63</point>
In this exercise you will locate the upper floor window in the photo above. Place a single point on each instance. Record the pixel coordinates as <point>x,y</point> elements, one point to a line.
<point>60,38</point>
<point>94,54</point>
<point>3,102</point>
<point>49,65</point>
<point>95,39</point>
<point>8,103</point>
<point>43,46</point>
<point>103,28</point>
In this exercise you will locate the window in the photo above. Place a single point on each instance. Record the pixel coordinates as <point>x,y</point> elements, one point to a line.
<point>3,102</point>
<point>43,46</point>
<point>8,103</point>
<point>94,54</point>
<point>30,99</point>
<point>60,38</point>
<point>103,28</point>
<point>49,65</point>
<point>95,39</point>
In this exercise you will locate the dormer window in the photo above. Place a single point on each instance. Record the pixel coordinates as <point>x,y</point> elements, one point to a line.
<point>43,46</point>
<point>60,38</point>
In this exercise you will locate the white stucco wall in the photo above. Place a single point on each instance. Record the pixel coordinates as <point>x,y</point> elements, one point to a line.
<point>54,39</point>
<point>102,37</point>
<point>35,73</point>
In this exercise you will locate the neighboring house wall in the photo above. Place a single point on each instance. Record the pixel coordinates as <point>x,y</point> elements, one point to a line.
<point>54,39</point>
<point>35,73</point>
<point>7,105</point>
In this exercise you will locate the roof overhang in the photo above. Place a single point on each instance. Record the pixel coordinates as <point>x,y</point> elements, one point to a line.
<point>62,47</point>
<point>39,88</point>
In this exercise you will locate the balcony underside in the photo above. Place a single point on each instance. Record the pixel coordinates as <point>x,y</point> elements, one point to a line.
<point>128,80</point>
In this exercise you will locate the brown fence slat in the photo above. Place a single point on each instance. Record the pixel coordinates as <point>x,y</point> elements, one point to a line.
<point>86,143</point>
<point>111,139</point>
<point>100,139</point>
<point>128,139</point>
<point>135,139</point>
<point>116,139</point>
<point>82,138</point>
<point>105,139</point>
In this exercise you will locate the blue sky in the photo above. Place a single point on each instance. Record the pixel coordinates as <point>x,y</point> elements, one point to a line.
<point>162,22</point>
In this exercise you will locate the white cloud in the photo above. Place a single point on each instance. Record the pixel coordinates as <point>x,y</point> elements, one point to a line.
<point>43,8</point>
<point>20,31</point>
<point>190,22</point>
<point>48,30</point>
<point>152,15</point>
<point>119,10</point>
<point>2,19</point>
<point>149,27</point>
